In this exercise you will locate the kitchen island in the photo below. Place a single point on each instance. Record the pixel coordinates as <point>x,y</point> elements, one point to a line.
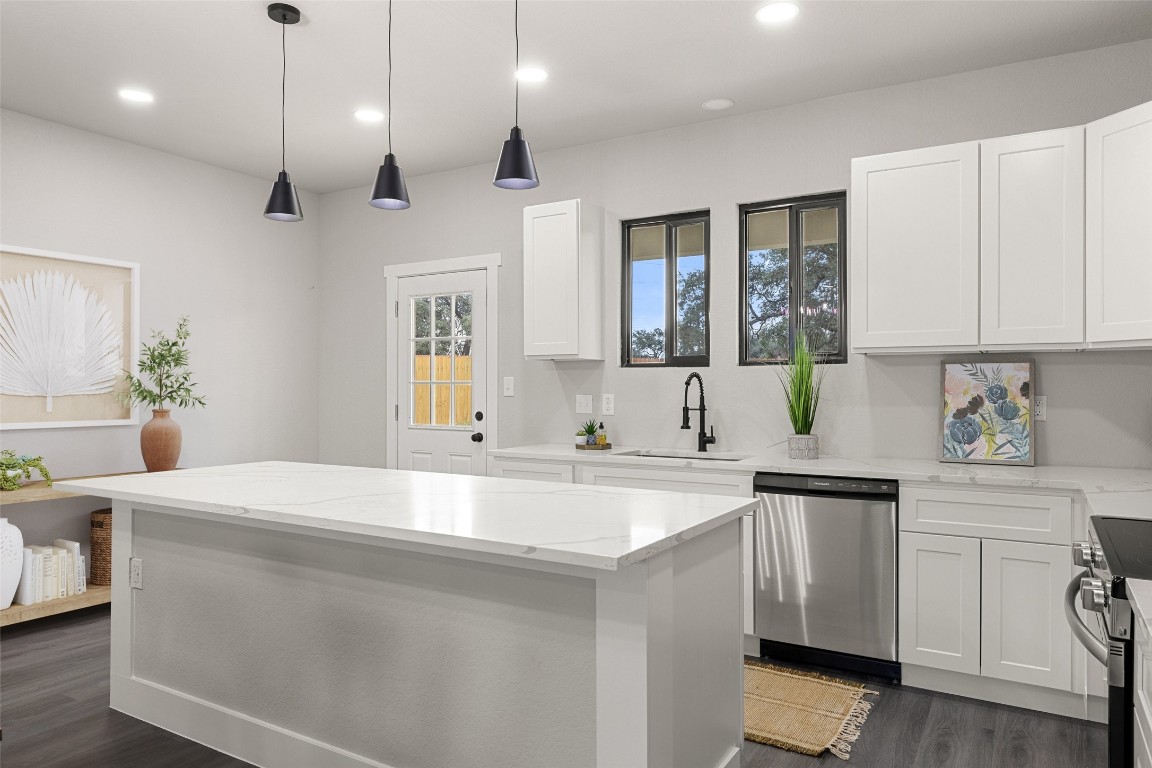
<point>310,615</point>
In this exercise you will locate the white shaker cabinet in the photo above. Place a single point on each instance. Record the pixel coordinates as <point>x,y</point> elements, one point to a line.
<point>915,249</point>
<point>562,282</point>
<point>531,470</point>
<point>939,601</point>
<point>1118,251</point>
<point>1024,635</point>
<point>1032,240</point>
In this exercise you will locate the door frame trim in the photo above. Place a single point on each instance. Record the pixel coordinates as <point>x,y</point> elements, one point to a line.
<point>487,263</point>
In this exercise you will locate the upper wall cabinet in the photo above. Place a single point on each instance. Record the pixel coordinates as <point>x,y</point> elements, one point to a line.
<point>1118,254</point>
<point>562,283</point>
<point>915,249</point>
<point>1032,240</point>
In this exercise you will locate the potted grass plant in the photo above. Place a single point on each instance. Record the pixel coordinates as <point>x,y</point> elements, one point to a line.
<point>802,377</point>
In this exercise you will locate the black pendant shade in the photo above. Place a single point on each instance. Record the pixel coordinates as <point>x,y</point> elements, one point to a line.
<point>389,191</point>
<point>283,203</point>
<point>516,169</point>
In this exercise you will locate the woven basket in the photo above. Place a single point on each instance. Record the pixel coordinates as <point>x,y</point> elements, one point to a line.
<point>101,538</point>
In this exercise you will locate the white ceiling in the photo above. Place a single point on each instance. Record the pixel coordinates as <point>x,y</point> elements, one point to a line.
<point>617,68</point>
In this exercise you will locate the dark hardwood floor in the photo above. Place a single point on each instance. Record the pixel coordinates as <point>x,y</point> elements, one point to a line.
<point>54,712</point>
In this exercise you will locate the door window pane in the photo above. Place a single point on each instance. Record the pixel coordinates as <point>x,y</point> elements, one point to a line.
<point>691,309</point>
<point>820,297</point>
<point>441,354</point>
<point>766,254</point>
<point>647,252</point>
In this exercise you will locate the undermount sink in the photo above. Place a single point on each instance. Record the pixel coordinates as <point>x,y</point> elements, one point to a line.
<point>674,453</point>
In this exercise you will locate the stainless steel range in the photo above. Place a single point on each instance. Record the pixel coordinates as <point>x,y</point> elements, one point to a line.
<point>1119,549</point>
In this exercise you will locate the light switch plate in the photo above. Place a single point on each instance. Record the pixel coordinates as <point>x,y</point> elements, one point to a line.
<point>509,386</point>
<point>1041,408</point>
<point>583,403</point>
<point>608,405</point>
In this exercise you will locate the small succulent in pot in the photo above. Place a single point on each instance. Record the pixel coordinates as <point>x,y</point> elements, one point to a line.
<point>588,429</point>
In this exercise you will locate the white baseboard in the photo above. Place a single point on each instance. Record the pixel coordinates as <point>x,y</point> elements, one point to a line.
<point>1064,703</point>
<point>225,730</point>
<point>731,760</point>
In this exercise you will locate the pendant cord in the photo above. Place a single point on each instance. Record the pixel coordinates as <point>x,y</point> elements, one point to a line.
<point>389,116</point>
<point>516,24</point>
<point>283,91</point>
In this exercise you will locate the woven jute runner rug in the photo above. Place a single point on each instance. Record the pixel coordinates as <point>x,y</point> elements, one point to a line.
<point>802,711</point>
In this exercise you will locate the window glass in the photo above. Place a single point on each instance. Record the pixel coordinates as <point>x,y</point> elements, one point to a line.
<point>766,313</point>
<point>691,307</point>
<point>820,298</point>
<point>648,296</point>
<point>441,367</point>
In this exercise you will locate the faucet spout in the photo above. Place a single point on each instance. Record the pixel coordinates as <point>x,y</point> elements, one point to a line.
<point>703,439</point>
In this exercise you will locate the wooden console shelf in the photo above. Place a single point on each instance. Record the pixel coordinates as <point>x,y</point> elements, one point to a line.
<point>39,490</point>
<point>96,595</point>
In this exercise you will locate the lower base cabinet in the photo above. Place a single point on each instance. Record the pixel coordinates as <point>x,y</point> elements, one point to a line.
<point>985,607</point>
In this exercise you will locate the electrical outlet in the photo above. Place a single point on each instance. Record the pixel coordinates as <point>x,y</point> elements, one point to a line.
<point>509,386</point>
<point>136,573</point>
<point>1041,408</point>
<point>608,405</point>
<point>583,403</point>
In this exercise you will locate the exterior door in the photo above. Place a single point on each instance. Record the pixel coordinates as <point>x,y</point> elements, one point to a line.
<point>441,373</point>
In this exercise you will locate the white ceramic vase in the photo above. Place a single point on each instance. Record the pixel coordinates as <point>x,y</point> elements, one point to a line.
<point>11,561</point>
<point>804,447</point>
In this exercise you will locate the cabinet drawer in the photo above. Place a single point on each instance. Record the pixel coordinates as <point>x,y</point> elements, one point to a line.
<point>1142,736</point>
<point>988,515</point>
<point>668,480</point>
<point>530,470</point>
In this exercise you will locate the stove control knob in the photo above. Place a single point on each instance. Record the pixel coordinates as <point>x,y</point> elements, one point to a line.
<point>1082,554</point>
<point>1092,594</point>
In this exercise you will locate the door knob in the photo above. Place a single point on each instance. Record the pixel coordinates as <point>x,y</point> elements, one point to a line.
<point>477,437</point>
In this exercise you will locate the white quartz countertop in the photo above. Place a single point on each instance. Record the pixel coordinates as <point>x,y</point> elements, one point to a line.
<point>594,527</point>
<point>1113,492</point>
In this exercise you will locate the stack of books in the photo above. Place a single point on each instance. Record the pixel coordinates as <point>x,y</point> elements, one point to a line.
<point>52,572</point>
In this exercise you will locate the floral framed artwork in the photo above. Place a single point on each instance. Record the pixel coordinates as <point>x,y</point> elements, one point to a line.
<point>68,333</point>
<point>987,412</point>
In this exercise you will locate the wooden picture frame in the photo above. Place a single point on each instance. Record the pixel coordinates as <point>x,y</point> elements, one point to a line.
<point>69,329</point>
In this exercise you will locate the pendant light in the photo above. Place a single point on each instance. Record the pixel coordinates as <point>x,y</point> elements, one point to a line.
<point>389,191</point>
<point>516,169</point>
<point>283,204</point>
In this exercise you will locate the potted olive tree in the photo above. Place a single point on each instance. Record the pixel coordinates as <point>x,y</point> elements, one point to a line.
<point>802,377</point>
<point>165,363</point>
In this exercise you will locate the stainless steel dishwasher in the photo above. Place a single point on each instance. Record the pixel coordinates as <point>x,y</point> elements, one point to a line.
<point>825,571</point>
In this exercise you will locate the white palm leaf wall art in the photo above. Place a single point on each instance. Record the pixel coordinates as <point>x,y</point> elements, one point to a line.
<point>57,338</point>
<point>69,326</point>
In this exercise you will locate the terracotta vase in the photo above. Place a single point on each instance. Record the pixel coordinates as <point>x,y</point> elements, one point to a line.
<point>160,441</point>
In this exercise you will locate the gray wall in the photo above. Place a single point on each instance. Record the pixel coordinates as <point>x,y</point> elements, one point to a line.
<point>1100,403</point>
<point>204,250</point>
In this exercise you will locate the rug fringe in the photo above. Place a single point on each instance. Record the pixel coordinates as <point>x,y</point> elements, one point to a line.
<point>850,730</point>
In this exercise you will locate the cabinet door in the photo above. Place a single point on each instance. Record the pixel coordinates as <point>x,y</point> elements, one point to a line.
<point>1142,667</point>
<point>530,470</point>
<point>1118,257</point>
<point>915,249</point>
<point>1032,239</point>
<point>552,279</point>
<point>1025,636</point>
<point>939,602</point>
<point>747,534</point>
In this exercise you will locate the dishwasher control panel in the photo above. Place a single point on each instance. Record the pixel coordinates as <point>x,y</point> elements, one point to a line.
<point>849,485</point>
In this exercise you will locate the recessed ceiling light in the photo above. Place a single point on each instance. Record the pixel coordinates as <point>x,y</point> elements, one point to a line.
<point>131,94</point>
<point>369,115</point>
<point>774,13</point>
<point>717,104</point>
<point>531,75</point>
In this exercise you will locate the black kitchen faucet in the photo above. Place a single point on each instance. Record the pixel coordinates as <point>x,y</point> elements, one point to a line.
<point>703,439</point>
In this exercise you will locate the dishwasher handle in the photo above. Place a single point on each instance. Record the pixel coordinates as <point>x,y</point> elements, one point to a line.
<point>1079,629</point>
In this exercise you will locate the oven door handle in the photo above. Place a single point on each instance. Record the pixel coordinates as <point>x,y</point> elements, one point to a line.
<point>1071,594</point>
